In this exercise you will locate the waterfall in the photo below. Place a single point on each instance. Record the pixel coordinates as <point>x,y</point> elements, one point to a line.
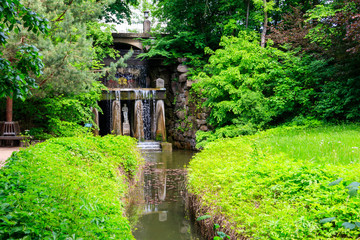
<point>145,97</point>
<point>147,115</point>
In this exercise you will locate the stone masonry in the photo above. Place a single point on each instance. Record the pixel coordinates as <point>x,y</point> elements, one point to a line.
<point>184,114</point>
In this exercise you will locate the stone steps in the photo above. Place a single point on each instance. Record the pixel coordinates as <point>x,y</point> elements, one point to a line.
<point>149,146</point>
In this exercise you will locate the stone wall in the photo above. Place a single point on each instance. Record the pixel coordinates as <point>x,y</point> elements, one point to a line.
<point>184,114</point>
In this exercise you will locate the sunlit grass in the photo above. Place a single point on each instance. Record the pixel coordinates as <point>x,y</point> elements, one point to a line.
<point>276,184</point>
<point>330,144</point>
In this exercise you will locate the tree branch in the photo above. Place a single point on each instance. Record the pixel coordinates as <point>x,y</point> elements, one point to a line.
<point>60,17</point>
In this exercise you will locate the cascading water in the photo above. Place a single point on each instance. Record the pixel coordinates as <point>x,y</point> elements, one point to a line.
<point>147,115</point>
<point>146,96</point>
<point>130,85</point>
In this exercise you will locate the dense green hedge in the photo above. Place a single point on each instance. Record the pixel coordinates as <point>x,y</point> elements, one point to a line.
<point>68,188</point>
<point>287,183</point>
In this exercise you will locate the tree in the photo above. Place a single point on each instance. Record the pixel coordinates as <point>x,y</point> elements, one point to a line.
<point>70,52</point>
<point>19,68</point>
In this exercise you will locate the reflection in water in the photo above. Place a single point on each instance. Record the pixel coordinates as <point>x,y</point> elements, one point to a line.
<point>164,216</point>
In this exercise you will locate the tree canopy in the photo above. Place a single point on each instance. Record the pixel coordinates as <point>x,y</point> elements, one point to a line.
<point>260,63</point>
<point>19,68</point>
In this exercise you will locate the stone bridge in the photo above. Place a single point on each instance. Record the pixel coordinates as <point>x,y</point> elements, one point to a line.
<point>131,39</point>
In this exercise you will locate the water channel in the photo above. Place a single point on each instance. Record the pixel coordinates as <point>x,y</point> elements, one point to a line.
<point>162,206</point>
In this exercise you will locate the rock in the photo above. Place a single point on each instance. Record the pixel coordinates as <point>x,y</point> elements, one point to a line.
<point>181,98</point>
<point>167,103</point>
<point>160,83</point>
<point>182,68</point>
<point>177,145</point>
<point>180,137</point>
<point>187,146</point>
<point>186,100</point>
<point>180,114</point>
<point>181,60</point>
<point>191,118</point>
<point>174,77</point>
<point>200,122</point>
<point>187,134</point>
<point>204,128</point>
<point>193,143</point>
<point>176,88</point>
<point>183,77</point>
<point>203,116</point>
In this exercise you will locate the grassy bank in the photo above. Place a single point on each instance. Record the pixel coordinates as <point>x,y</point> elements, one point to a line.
<point>281,184</point>
<point>68,188</point>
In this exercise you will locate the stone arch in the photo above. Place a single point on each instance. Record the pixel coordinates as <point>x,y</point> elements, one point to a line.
<point>131,42</point>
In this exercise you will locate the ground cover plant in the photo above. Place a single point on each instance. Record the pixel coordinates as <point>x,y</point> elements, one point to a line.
<point>285,183</point>
<point>68,188</point>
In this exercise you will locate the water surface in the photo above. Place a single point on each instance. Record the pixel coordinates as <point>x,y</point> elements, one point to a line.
<point>164,216</point>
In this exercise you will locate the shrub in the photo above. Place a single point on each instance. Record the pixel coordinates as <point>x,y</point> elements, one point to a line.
<point>67,188</point>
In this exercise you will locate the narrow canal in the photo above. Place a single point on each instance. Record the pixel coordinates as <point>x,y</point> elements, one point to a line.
<point>163,214</point>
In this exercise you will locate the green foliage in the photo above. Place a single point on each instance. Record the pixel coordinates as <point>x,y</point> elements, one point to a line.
<point>118,11</point>
<point>59,116</point>
<point>101,35</point>
<point>67,188</point>
<point>112,69</point>
<point>203,217</point>
<point>277,184</point>
<point>231,131</point>
<point>195,25</point>
<point>247,86</point>
<point>18,69</point>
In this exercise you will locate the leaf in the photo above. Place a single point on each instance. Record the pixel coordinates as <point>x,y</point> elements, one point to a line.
<point>221,234</point>
<point>216,226</point>
<point>203,217</point>
<point>353,191</point>
<point>353,185</point>
<point>336,182</point>
<point>348,225</point>
<point>326,220</point>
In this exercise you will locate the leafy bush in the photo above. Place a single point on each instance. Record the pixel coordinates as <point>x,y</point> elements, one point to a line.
<point>67,188</point>
<point>277,184</point>
<point>58,116</point>
<point>203,138</point>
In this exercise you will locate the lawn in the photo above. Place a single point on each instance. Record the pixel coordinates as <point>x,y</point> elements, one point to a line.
<point>284,183</point>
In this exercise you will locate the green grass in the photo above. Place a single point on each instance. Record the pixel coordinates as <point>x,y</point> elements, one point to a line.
<point>68,188</point>
<point>275,184</point>
<point>330,144</point>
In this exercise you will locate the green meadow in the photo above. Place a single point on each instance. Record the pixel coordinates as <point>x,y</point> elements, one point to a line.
<point>284,183</point>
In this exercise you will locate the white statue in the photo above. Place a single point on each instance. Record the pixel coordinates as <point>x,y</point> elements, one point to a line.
<point>125,112</point>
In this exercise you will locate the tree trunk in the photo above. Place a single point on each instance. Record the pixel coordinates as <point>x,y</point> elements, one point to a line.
<point>9,109</point>
<point>247,14</point>
<point>263,34</point>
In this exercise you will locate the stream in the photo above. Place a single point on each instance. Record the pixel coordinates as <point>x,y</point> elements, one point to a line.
<point>161,201</point>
